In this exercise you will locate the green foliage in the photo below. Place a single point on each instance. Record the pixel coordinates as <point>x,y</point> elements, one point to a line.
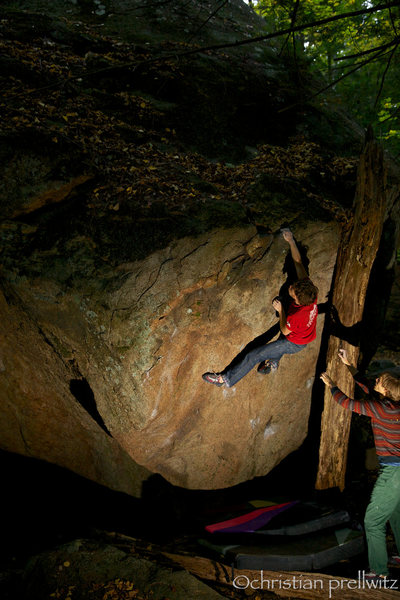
<point>358,54</point>
<point>388,131</point>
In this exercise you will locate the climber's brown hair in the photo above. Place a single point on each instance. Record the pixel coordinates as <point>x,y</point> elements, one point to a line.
<point>305,291</point>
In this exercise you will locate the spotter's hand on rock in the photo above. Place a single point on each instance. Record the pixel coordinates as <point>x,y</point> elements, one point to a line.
<point>343,356</point>
<point>327,380</point>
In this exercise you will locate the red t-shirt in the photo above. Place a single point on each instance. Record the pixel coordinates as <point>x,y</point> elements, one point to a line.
<point>302,322</point>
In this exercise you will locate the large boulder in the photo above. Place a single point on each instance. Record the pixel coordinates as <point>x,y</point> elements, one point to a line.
<point>141,343</point>
<point>132,263</point>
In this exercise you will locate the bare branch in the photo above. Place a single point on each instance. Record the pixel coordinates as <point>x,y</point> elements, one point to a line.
<point>276,34</point>
<point>330,85</point>
<point>208,19</point>
<point>393,22</point>
<point>269,36</point>
<point>292,22</point>
<point>395,41</point>
<point>384,74</point>
<point>236,44</point>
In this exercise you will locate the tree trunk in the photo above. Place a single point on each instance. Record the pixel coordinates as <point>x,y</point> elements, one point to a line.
<point>355,258</point>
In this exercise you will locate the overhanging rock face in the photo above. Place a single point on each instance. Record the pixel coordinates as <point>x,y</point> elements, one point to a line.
<point>143,336</point>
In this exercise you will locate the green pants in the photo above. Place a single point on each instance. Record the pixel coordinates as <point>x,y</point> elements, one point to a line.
<point>384,506</point>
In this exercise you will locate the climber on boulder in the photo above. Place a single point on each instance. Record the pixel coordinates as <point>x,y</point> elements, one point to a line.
<point>297,325</point>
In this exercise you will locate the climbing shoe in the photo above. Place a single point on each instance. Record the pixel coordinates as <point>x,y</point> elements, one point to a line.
<point>268,366</point>
<point>213,378</point>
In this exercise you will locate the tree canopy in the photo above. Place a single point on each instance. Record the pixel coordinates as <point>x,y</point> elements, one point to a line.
<point>355,45</point>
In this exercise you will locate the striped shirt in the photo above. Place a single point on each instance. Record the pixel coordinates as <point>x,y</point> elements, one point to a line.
<point>385,418</point>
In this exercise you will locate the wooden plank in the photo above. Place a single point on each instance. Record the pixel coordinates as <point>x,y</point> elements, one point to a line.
<point>356,255</point>
<point>286,584</point>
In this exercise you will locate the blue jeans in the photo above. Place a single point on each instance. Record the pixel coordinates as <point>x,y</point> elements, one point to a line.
<point>274,351</point>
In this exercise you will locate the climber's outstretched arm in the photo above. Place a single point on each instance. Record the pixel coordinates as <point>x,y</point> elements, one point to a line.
<point>300,270</point>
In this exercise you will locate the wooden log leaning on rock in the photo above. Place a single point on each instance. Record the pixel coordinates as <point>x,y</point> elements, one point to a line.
<point>357,252</point>
<point>284,584</point>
